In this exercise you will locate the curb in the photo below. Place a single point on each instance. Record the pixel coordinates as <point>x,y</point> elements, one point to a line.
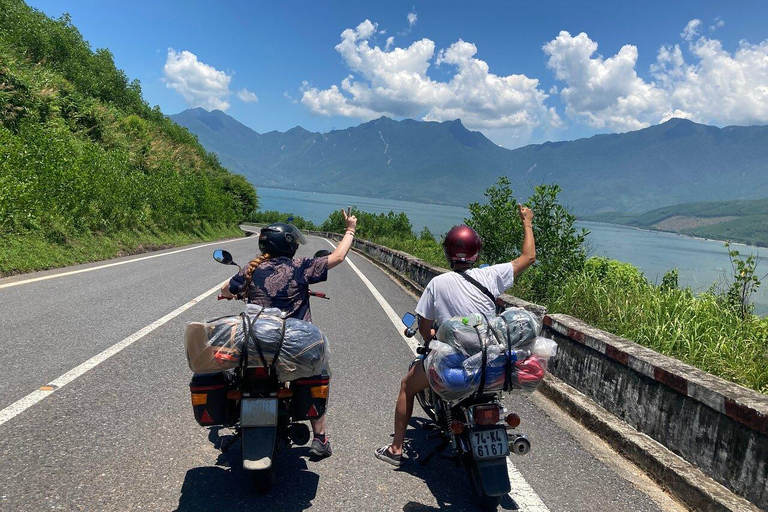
<point>684,481</point>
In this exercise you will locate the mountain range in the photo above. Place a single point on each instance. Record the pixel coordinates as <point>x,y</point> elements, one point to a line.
<point>674,162</point>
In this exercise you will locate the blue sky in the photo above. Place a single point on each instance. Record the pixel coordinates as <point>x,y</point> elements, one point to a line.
<point>506,68</point>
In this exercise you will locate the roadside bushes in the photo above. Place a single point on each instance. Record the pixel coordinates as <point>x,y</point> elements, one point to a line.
<point>84,158</point>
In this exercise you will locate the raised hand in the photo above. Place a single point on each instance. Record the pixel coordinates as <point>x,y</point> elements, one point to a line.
<point>526,215</point>
<point>349,220</point>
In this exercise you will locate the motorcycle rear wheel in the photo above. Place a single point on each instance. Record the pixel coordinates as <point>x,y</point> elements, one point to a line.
<point>485,502</point>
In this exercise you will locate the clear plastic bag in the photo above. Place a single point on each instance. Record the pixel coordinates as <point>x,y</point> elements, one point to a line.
<point>454,365</point>
<point>218,345</point>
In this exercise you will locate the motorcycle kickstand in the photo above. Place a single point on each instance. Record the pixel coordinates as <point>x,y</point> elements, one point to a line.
<point>439,447</point>
<point>228,444</point>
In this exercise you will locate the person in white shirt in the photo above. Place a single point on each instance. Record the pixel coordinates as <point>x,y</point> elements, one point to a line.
<point>449,295</point>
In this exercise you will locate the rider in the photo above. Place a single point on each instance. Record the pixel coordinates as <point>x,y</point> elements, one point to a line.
<point>276,279</point>
<point>450,295</point>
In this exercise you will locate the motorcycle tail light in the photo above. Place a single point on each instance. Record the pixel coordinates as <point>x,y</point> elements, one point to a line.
<point>199,398</point>
<point>487,414</point>
<point>284,393</point>
<point>259,373</point>
<point>234,394</point>
<point>513,420</point>
<point>457,427</point>
<point>319,391</point>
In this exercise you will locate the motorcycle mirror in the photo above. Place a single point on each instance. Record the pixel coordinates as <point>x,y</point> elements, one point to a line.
<point>321,253</point>
<point>223,257</point>
<point>408,319</point>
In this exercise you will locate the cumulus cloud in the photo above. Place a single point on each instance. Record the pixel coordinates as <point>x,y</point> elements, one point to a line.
<point>198,83</point>
<point>394,82</point>
<point>247,96</point>
<point>715,87</point>
<point>719,87</point>
<point>603,92</point>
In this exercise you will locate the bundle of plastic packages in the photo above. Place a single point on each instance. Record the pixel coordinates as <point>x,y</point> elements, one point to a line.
<point>303,347</point>
<point>466,334</point>
<point>214,346</point>
<point>529,372</point>
<point>517,326</point>
<point>218,345</point>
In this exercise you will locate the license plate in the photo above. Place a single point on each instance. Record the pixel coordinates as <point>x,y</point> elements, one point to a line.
<point>488,444</point>
<point>258,412</point>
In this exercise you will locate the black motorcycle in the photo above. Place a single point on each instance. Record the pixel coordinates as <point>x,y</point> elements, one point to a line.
<point>264,412</point>
<point>475,433</point>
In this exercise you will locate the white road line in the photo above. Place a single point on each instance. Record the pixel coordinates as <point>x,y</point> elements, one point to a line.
<point>72,272</point>
<point>31,399</point>
<point>522,493</point>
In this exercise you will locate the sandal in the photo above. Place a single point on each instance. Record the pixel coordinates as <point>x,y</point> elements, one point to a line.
<point>384,453</point>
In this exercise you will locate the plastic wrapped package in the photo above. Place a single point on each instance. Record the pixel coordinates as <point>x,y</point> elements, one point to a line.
<point>529,373</point>
<point>218,345</point>
<point>446,373</point>
<point>515,327</point>
<point>520,326</point>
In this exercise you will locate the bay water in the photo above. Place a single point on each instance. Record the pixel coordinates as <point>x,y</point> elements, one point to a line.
<point>700,262</point>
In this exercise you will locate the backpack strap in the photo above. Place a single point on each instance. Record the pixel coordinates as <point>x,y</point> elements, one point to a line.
<point>482,288</point>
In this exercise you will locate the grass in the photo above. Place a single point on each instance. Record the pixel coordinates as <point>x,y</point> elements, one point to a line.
<point>700,330</point>
<point>31,252</point>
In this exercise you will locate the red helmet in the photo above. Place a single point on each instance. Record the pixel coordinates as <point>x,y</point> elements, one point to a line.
<point>462,244</point>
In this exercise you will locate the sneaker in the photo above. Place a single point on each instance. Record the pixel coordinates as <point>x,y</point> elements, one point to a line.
<point>320,448</point>
<point>387,456</point>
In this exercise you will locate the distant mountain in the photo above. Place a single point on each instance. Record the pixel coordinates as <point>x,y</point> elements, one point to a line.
<point>674,162</point>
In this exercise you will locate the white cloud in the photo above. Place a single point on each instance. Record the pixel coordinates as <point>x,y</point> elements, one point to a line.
<point>412,18</point>
<point>247,96</point>
<point>691,30</point>
<point>390,42</point>
<point>199,84</point>
<point>720,87</point>
<point>715,87</point>
<point>394,82</point>
<point>603,92</point>
<point>716,24</point>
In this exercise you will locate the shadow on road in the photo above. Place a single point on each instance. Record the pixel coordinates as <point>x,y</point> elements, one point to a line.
<point>448,483</point>
<point>227,487</point>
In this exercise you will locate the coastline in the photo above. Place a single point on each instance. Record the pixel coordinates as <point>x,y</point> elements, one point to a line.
<point>684,235</point>
<point>425,201</point>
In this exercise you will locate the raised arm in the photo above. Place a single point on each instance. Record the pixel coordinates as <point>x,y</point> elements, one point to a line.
<point>528,255</point>
<point>340,253</point>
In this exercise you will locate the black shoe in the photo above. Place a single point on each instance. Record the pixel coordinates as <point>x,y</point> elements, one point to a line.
<point>384,453</point>
<point>321,449</point>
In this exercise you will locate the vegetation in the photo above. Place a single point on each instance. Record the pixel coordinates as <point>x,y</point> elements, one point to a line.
<point>86,163</point>
<point>737,221</point>
<point>714,331</point>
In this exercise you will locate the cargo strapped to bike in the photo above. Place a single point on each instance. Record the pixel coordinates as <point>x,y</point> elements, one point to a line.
<point>248,327</point>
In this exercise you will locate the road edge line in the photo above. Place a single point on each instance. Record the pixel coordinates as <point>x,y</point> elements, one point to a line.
<point>21,405</point>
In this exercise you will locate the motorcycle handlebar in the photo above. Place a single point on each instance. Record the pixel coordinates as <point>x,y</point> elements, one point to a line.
<point>222,297</point>
<point>319,295</point>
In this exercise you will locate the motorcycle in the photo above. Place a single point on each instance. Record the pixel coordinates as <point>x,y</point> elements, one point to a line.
<point>476,433</point>
<point>264,412</point>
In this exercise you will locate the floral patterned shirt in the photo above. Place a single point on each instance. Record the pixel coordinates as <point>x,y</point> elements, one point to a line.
<point>283,283</point>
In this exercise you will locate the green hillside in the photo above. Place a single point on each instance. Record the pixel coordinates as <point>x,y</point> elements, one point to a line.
<point>737,221</point>
<point>87,169</point>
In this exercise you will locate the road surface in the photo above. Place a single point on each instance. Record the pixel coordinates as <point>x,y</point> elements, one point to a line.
<point>95,412</point>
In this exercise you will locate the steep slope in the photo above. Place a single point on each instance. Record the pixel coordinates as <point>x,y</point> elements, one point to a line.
<point>677,161</point>
<point>87,169</point>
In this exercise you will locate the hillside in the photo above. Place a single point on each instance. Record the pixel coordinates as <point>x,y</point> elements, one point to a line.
<point>737,221</point>
<point>676,162</point>
<point>87,169</point>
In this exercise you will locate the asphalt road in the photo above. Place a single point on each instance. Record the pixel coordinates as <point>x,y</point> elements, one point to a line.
<point>117,433</point>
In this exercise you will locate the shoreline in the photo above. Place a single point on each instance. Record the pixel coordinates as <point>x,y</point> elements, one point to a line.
<point>684,235</point>
<point>431,202</point>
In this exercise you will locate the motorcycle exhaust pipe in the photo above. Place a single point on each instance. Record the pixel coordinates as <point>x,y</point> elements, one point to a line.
<point>520,445</point>
<point>298,433</point>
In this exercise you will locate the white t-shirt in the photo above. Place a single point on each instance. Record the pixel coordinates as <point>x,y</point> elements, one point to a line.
<point>450,295</point>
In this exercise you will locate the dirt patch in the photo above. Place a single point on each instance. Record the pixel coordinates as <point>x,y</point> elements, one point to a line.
<point>679,223</point>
